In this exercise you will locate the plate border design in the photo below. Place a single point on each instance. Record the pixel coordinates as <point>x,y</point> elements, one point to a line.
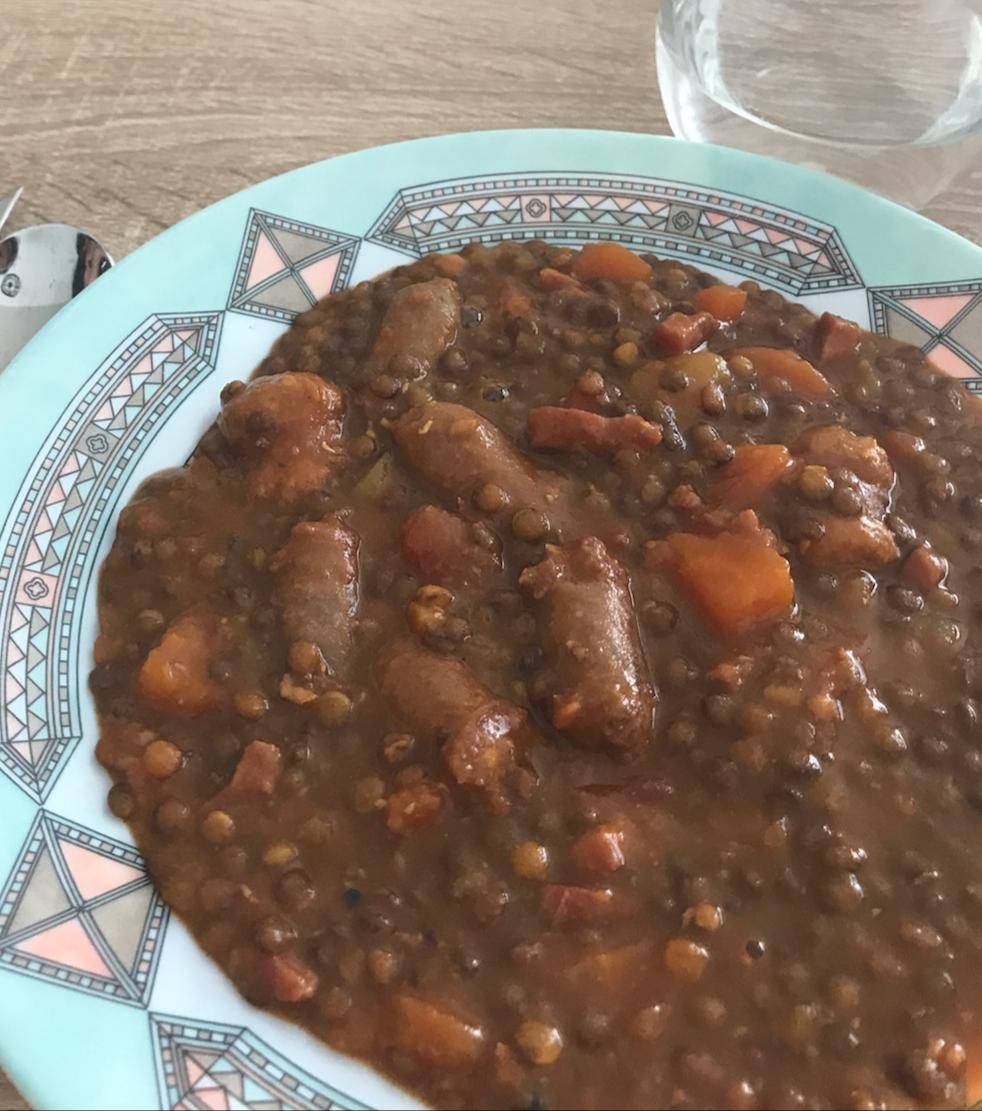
<point>240,297</point>
<point>80,443</point>
<point>45,832</point>
<point>249,1050</point>
<point>686,232</point>
<point>880,298</point>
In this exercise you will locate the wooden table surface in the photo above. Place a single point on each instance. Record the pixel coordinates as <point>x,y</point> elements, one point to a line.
<point>123,116</point>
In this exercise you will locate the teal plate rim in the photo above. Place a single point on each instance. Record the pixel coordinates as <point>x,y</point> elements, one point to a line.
<point>104,999</point>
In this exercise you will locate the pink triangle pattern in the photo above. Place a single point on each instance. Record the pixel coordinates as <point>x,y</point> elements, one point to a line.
<point>950,362</point>
<point>66,944</point>
<point>100,934</point>
<point>265,282</point>
<point>946,314</point>
<point>95,874</point>
<point>320,275</point>
<point>265,262</point>
<point>939,311</point>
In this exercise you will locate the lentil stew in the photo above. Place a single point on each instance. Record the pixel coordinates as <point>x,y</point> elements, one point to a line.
<point>554,679</point>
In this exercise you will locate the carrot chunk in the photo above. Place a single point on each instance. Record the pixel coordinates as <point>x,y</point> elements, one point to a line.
<point>553,279</point>
<point>610,260</point>
<point>725,302</point>
<point>773,363</point>
<point>851,542</point>
<point>679,333</point>
<point>834,446</point>
<point>257,771</point>
<point>750,474</point>
<point>175,675</point>
<point>735,582</point>
<point>434,1037</point>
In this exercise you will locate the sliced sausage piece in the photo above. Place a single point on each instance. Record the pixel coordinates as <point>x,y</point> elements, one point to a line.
<point>577,430</point>
<point>287,430</point>
<point>175,676</point>
<point>443,702</point>
<point>851,542</point>
<point>420,323</point>
<point>834,446</point>
<point>568,903</point>
<point>596,683</point>
<point>441,547</point>
<point>257,772</point>
<point>456,450</point>
<point>287,978</point>
<point>316,575</point>
<point>835,338</point>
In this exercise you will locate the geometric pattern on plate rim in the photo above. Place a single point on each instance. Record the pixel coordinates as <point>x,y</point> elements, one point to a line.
<point>286,266</point>
<point>79,910</point>
<point>708,227</point>
<point>942,316</point>
<point>776,246</point>
<point>212,1064</point>
<point>55,524</point>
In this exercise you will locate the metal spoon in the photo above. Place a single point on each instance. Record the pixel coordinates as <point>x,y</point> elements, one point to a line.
<point>41,269</point>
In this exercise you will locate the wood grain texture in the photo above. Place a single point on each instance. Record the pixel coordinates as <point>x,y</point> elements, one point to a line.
<point>123,116</point>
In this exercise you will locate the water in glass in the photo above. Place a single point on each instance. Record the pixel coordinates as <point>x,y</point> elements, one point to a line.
<point>886,92</point>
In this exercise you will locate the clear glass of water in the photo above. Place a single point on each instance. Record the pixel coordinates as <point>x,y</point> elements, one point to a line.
<point>885,92</point>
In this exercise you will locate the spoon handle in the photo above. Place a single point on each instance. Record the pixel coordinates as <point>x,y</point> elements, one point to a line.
<point>7,205</point>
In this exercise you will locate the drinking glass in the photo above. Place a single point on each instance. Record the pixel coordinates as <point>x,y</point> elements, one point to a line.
<point>885,92</point>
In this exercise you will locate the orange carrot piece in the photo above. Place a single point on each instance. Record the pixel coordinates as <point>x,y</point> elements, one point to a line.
<point>851,542</point>
<point>734,582</point>
<point>725,302</point>
<point>831,445</point>
<point>772,363</point>
<point>435,1038</point>
<point>610,260</point>
<point>175,676</point>
<point>555,279</point>
<point>750,474</point>
<point>835,337</point>
<point>679,333</point>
